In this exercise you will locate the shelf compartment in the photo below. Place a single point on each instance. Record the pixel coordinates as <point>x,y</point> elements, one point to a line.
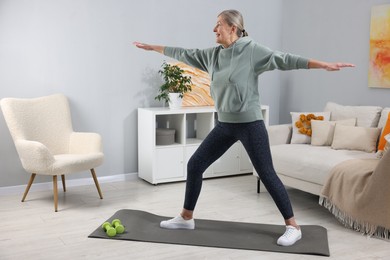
<point>172,121</point>
<point>198,126</point>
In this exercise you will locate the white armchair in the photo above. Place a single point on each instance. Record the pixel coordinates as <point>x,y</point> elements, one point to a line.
<point>42,131</point>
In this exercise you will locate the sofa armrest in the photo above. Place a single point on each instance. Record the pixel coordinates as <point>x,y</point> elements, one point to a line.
<point>35,156</point>
<point>82,143</point>
<point>279,134</point>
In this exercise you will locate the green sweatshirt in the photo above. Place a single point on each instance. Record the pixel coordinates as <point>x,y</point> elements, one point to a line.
<point>234,72</point>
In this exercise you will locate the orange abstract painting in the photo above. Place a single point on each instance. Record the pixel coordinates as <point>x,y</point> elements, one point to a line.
<point>200,93</point>
<point>379,67</point>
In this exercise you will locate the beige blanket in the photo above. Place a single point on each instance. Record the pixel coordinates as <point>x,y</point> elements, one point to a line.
<point>357,192</point>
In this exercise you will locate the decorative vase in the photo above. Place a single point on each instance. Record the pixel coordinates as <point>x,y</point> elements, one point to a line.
<point>175,100</point>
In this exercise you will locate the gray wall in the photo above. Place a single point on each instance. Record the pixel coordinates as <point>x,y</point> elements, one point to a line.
<point>83,49</point>
<point>332,30</point>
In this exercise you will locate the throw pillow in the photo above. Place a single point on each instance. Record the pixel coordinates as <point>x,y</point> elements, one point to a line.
<point>385,131</point>
<point>323,131</point>
<point>380,154</point>
<point>300,138</point>
<point>355,138</point>
<point>383,118</point>
<point>367,116</point>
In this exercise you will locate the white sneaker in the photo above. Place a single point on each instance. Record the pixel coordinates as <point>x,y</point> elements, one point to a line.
<point>289,237</point>
<point>178,223</point>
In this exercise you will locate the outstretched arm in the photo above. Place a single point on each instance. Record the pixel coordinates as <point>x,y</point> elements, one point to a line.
<point>329,66</point>
<point>148,47</point>
<point>200,59</point>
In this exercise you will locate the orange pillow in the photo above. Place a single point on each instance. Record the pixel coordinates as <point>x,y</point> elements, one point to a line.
<point>385,131</point>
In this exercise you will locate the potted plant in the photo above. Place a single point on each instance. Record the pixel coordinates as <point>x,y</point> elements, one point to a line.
<point>176,84</point>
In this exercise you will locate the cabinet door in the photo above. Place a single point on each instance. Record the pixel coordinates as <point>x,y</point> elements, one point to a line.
<point>169,163</point>
<point>228,164</point>
<point>190,150</point>
<point>245,162</point>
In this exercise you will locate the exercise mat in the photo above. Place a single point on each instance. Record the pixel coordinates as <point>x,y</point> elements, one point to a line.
<point>144,226</point>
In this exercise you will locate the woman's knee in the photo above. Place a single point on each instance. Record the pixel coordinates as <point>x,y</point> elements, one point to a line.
<point>194,165</point>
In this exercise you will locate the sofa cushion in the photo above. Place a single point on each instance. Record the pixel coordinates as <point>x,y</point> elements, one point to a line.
<point>323,131</point>
<point>355,138</point>
<point>367,116</point>
<point>297,137</point>
<point>310,163</point>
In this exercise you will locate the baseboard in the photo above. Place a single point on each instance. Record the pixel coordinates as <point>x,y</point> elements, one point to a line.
<point>69,183</point>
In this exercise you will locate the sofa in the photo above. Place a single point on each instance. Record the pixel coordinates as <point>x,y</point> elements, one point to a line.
<point>343,133</point>
<point>341,154</point>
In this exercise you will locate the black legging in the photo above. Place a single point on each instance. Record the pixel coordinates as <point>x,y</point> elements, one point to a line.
<point>254,137</point>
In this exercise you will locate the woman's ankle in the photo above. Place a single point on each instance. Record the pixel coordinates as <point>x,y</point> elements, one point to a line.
<point>187,214</point>
<point>292,222</point>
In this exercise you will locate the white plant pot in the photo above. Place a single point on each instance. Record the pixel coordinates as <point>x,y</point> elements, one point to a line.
<point>175,100</point>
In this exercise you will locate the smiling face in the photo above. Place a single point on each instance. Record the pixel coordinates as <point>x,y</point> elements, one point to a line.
<point>225,33</point>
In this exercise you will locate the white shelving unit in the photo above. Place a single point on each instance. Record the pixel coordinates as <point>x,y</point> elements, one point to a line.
<point>167,163</point>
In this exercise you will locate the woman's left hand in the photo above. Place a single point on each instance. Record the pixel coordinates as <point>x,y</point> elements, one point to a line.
<point>329,66</point>
<point>337,66</point>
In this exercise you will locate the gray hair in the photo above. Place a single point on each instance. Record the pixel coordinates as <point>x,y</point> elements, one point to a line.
<point>234,17</point>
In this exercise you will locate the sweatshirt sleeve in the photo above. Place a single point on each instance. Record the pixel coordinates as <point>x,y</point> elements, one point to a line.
<point>200,59</point>
<point>264,59</point>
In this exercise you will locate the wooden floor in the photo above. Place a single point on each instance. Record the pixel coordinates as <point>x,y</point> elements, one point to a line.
<point>32,230</point>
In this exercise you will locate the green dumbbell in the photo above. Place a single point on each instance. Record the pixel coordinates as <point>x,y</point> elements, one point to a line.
<point>117,224</point>
<point>110,231</point>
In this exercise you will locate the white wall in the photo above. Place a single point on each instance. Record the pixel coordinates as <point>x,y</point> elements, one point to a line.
<point>82,48</point>
<point>332,30</point>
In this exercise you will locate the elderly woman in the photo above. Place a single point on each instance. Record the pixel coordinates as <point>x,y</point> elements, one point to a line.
<point>234,66</point>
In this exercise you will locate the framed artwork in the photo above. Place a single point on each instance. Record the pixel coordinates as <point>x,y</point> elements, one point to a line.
<point>200,94</point>
<point>379,63</point>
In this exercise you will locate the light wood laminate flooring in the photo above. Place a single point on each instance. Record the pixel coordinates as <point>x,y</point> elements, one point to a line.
<point>32,230</point>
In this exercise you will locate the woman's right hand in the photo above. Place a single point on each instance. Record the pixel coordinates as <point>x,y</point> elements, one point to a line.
<point>143,46</point>
<point>149,47</point>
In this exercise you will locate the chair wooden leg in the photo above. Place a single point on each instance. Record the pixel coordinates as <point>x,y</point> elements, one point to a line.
<point>55,191</point>
<point>96,183</point>
<point>63,182</point>
<point>28,186</point>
